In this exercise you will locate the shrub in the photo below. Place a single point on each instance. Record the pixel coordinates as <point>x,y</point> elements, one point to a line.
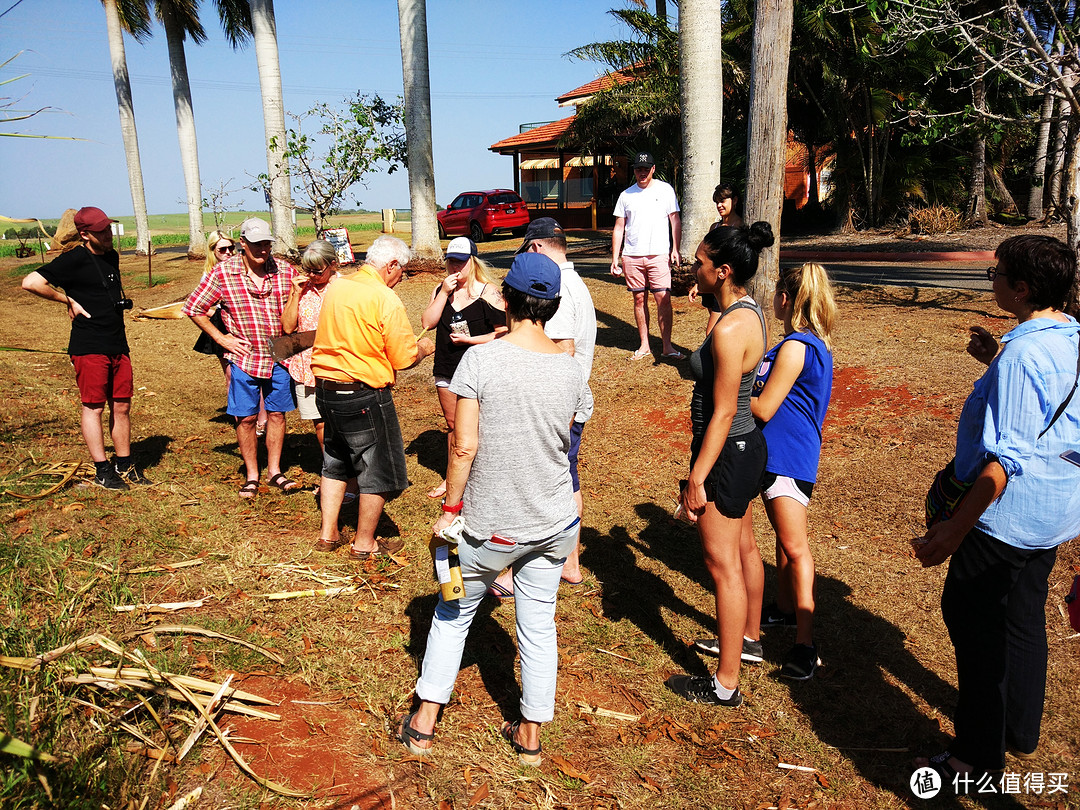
<point>934,219</point>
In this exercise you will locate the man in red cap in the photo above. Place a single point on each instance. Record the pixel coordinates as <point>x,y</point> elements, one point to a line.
<point>86,280</point>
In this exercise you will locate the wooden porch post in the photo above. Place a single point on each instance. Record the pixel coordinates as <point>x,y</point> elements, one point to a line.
<point>517,176</point>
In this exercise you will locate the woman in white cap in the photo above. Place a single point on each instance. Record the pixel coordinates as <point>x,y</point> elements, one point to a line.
<point>465,310</point>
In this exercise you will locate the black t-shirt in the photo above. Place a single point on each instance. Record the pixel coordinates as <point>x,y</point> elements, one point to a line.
<point>94,282</point>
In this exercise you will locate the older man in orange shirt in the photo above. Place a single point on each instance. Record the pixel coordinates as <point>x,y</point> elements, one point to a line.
<point>364,338</point>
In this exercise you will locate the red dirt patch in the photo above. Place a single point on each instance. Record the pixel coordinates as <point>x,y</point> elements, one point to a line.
<point>854,397</point>
<point>318,745</point>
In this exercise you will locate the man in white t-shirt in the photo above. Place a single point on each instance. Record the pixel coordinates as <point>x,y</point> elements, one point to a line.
<point>644,246</point>
<point>573,329</point>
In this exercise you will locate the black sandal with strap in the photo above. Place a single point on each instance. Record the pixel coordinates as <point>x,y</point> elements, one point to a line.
<point>526,756</point>
<point>407,734</point>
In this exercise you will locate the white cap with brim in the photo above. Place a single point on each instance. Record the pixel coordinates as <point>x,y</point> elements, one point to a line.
<point>461,249</point>
<point>255,230</point>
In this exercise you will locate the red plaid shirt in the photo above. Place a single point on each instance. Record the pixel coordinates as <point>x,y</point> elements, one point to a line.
<point>249,312</point>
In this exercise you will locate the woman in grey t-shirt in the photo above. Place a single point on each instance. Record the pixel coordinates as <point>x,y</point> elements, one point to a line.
<point>509,480</point>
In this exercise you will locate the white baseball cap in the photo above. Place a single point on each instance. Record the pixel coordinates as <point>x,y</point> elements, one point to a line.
<point>461,249</point>
<point>255,230</point>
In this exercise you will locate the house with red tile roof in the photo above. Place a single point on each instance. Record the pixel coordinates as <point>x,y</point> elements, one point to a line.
<point>580,190</point>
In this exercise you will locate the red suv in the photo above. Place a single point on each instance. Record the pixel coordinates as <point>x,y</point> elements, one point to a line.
<point>478,214</point>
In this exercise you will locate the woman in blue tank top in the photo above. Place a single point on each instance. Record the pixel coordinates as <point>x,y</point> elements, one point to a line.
<point>727,456</point>
<point>790,398</point>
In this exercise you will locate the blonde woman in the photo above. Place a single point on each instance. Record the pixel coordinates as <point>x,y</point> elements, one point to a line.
<point>465,310</point>
<point>791,397</point>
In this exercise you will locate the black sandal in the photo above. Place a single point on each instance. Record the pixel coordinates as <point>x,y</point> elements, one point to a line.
<point>406,734</point>
<point>249,490</point>
<point>526,756</point>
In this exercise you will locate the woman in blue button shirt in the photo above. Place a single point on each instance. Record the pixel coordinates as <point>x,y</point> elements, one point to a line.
<point>1024,502</point>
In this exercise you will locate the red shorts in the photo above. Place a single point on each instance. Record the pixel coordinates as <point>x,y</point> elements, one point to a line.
<point>643,273</point>
<point>103,377</point>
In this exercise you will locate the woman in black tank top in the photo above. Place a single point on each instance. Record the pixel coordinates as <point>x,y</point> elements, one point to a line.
<point>465,310</point>
<point>727,456</point>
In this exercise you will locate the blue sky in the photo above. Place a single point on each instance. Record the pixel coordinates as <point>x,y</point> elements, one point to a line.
<point>494,65</point>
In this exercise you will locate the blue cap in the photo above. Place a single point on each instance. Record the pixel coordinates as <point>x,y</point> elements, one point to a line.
<point>536,275</point>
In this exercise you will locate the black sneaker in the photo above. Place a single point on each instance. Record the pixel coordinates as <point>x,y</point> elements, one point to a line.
<point>698,689</point>
<point>752,652</point>
<point>133,476</point>
<point>800,663</point>
<point>109,479</point>
<point>772,616</point>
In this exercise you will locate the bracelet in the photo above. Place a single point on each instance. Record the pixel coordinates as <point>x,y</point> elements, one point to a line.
<point>453,510</point>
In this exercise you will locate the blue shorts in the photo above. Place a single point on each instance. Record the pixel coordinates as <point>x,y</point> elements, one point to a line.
<point>244,391</point>
<point>572,454</point>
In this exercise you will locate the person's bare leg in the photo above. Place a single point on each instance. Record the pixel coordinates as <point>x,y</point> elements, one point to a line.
<point>448,402</point>
<point>641,318</point>
<point>320,431</point>
<point>720,542</point>
<point>753,575</point>
<point>571,570</point>
<point>275,440</point>
<point>331,491</point>
<point>92,432</point>
<point>248,444</point>
<point>370,507</point>
<point>663,318</point>
<point>120,426</point>
<point>788,517</point>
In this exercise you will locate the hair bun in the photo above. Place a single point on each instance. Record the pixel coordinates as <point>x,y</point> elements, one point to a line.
<point>760,236</point>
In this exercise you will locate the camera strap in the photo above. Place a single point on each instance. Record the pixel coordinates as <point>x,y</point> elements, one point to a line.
<point>104,280</point>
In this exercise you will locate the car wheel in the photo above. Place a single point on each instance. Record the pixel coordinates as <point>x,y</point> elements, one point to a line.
<point>519,231</point>
<point>442,232</point>
<point>476,232</point>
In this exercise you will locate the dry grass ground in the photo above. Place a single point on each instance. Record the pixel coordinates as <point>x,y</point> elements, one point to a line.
<point>884,694</point>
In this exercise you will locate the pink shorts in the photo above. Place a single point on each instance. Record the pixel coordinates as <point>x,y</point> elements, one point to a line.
<point>645,273</point>
<point>103,377</point>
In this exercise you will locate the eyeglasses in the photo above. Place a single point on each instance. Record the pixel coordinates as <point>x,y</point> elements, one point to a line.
<point>225,249</point>
<point>993,272</point>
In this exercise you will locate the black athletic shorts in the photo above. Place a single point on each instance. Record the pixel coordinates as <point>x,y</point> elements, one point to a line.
<point>736,477</point>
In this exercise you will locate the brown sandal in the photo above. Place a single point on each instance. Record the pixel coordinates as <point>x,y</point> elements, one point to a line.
<point>249,490</point>
<point>385,549</point>
<point>327,546</point>
<point>283,483</point>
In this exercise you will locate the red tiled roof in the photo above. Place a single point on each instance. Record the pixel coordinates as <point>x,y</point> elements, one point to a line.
<point>546,134</point>
<point>599,83</point>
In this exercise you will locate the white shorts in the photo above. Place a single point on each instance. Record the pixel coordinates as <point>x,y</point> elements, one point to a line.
<point>305,402</point>
<point>785,487</point>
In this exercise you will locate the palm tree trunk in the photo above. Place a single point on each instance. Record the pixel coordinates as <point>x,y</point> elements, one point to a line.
<point>976,211</point>
<point>412,23</point>
<point>127,125</point>
<point>185,131</point>
<point>1038,167</point>
<point>767,132</point>
<point>1054,197</point>
<point>1071,181</point>
<point>264,32</point>
<point>700,80</point>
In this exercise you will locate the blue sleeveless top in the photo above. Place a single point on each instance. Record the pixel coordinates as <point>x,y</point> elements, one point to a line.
<point>793,435</point>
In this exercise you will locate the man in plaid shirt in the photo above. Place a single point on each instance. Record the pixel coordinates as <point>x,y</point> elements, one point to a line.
<point>252,288</point>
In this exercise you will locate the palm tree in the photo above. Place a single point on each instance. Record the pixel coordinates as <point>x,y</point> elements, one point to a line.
<point>264,32</point>
<point>121,15</point>
<point>702,108</point>
<point>181,20</point>
<point>412,21</point>
<point>767,131</point>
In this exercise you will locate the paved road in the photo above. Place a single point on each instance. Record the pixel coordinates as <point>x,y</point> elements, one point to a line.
<point>948,275</point>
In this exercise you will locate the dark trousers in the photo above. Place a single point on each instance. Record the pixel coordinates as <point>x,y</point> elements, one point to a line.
<point>994,604</point>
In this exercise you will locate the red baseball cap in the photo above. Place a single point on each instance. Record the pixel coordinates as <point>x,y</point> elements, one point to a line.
<point>92,219</point>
